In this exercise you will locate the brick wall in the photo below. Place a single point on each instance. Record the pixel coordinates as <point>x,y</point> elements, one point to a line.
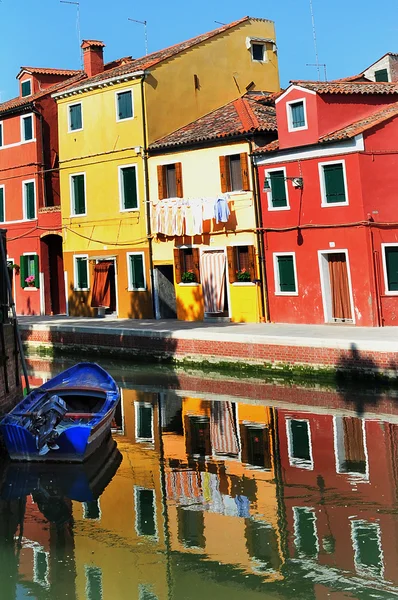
<point>10,384</point>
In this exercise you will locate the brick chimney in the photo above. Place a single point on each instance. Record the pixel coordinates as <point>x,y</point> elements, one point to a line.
<point>93,56</point>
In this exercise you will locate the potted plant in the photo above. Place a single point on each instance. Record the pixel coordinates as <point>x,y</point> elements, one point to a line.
<point>243,275</point>
<point>188,277</point>
<point>30,281</point>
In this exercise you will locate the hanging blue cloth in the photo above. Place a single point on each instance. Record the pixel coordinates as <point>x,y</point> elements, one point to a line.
<point>243,505</point>
<point>221,210</point>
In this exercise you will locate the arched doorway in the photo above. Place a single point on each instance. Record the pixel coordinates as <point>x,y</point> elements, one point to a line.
<point>52,267</point>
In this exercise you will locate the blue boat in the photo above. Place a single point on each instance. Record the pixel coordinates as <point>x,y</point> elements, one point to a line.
<point>64,420</point>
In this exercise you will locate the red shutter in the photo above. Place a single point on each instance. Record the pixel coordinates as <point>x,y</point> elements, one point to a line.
<point>177,265</point>
<point>231,258</point>
<point>196,259</point>
<point>179,180</point>
<point>244,167</point>
<point>252,262</point>
<point>225,175</point>
<point>162,182</point>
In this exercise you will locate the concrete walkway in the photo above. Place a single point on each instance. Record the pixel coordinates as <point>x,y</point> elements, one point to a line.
<point>344,337</point>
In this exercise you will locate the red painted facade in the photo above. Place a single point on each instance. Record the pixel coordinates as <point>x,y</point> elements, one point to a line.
<point>34,160</point>
<point>313,231</point>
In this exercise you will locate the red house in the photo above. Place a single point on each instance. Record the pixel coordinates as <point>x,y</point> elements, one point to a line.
<point>29,190</point>
<point>328,190</point>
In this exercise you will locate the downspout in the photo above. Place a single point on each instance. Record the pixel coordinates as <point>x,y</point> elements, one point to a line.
<point>146,194</point>
<point>376,278</point>
<point>260,237</point>
<point>43,173</point>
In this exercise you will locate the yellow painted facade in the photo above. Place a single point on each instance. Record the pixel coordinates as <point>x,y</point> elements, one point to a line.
<point>201,179</point>
<point>170,94</point>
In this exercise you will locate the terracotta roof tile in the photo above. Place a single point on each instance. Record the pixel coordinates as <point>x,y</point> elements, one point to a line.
<point>348,87</point>
<point>47,71</point>
<point>240,116</point>
<point>20,102</point>
<point>87,43</point>
<point>146,62</point>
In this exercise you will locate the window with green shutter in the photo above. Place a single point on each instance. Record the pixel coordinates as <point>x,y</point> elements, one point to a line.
<point>145,511</point>
<point>129,188</point>
<point>137,276</point>
<point>27,128</point>
<point>2,207</point>
<point>391,256</point>
<point>305,539</point>
<point>333,176</point>
<point>297,114</point>
<point>26,88</point>
<point>78,194</point>
<point>124,105</point>
<point>81,273</point>
<point>300,440</point>
<point>278,189</point>
<point>29,200</point>
<point>286,274</point>
<point>29,268</point>
<point>144,421</point>
<point>75,117</point>
<point>381,75</point>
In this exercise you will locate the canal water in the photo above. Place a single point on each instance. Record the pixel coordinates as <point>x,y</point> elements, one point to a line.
<point>212,488</point>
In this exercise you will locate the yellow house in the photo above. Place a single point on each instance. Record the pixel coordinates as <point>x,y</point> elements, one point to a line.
<point>207,256</point>
<point>106,123</point>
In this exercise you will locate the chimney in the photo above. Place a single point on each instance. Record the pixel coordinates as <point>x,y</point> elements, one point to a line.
<point>93,56</point>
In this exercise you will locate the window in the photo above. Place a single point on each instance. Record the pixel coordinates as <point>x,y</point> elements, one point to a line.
<point>40,566</point>
<point>255,445</point>
<point>258,51</point>
<point>93,583</point>
<point>368,553</point>
<point>186,260</point>
<point>277,194</point>
<point>26,88</point>
<point>285,274</point>
<point>234,173</point>
<point>145,592</point>
<point>92,510</point>
<point>170,181</point>
<point>78,193</point>
<point>241,263</point>
<point>29,268</point>
<point>27,128</point>
<point>29,200</point>
<point>81,272</point>
<point>296,115</point>
<point>75,117</point>
<point>2,203</point>
<point>390,267</point>
<point>144,422</point>
<point>305,533</point>
<point>299,443</point>
<point>191,527</point>
<point>381,75</point>
<point>333,183</point>
<point>136,271</point>
<point>128,187</point>
<point>1,134</point>
<point>350,446</point>
<point>262,545</point>
<point>145,512</point>
<point>124,105</point>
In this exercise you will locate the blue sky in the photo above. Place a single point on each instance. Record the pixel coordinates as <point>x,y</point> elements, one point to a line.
<point>351,34</point>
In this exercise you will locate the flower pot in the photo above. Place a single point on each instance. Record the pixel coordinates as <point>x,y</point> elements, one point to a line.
<point>101,311</point>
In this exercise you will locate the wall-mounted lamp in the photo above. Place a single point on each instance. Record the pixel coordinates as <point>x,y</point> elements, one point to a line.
<point>297,182</point>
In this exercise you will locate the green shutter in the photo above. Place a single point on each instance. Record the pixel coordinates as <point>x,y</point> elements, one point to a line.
<point>79,195</point>
<point>366,536</point>
<point>298,119</point>
<point>82,278</point>
<point>23,270</point>
<point>36,272</point>
<point>129,178</point>
<point>300,440</point>
<point>75,115</point>
<point>137,271</point>
<point>334,183</point>
<point>26,88</point>
<point>392,268</point>
<point>145,422</point>
<point>278,189</point>
<point>28,128</point>
<point>30,204</point>
<point>1,205</point>
<point>305,539</point>
<point>287,282</point>
<point>381,75</point>
<point>124,105</point>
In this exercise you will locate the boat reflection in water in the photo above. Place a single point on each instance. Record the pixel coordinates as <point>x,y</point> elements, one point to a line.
<point>218,497</point>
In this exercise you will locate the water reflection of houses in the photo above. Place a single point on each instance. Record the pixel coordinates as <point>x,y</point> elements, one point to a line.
<point>339,493</point>
<point>221,492</point>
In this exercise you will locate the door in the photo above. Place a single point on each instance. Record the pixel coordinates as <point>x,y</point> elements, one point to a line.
<point>212,272</point>
<point>165,294</point>
<point>52,266</point>
<point>104,286</point>
<point>336,287</point>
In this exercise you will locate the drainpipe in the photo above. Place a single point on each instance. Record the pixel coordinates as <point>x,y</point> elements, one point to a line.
<point>260,237</point>
<point>376,278</point>
<point>43,175</point>
<point>146,194</point>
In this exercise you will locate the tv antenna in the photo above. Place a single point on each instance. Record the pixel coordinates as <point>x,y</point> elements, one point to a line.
<point>315,44</point>
<point>318,65</point>
<point>218,22</point>
<point>144,23</point>
<point>77,25</point>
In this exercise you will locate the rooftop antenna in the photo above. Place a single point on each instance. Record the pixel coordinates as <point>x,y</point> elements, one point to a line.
<point>77,25</point>
<point>144,23</point>
<point>315,45</point>
<point>318,65</point>
<point>218,22</point>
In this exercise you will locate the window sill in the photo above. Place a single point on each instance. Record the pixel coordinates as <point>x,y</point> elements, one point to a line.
<point>194,284</point>
<point>81,289</point>
<point>332,204</point>
<point>286,293</point>
<point>129,210</point>
<point>388,293</point>
<point>276,208</point>
<point>239,192</point>
<point>75,130</point>
<point>243,283</point>
<point>79,215</point>
<point>130,289</point>
<point>30,288</point>
<point>124,119</point>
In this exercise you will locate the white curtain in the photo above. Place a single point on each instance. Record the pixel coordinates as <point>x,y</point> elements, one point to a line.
<point>212,269</point>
